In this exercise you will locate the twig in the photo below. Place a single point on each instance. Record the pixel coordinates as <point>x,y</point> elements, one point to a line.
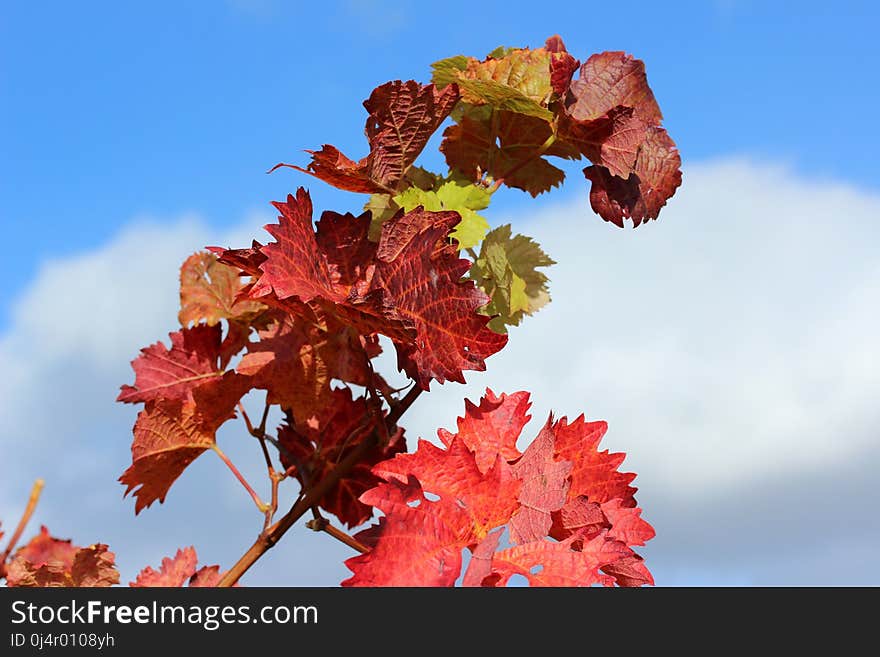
<point>36,490</point>
<point>261,505</point>
<point>313,495</point>
<point>320,524</point>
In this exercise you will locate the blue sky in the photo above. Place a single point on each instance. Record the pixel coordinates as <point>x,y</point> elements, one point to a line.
<point>731,345</point>
<point>116,109</point>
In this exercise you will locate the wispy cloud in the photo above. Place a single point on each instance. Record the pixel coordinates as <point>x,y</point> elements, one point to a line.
<point>731,346</point>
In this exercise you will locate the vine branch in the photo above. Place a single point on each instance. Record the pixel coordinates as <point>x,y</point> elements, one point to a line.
<point>269,537</point>
<point>36,490</point>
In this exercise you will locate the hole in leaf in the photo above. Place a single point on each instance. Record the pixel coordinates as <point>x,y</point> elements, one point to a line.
<point>431,496</point>
<point>518,581</point>
<point>534,570</point>
<point>413,503</point>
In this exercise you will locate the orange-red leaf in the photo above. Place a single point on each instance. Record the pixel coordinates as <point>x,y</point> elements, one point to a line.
<point>608,80</point>
<point>437,501</point>
<point>419,276</point>
<point>544,488</point>
<point>162,373</point>
<point>173,571</point>
<point>176,571</point>
<point>402,117</point>
<point>44,548</point>
<point>91,566</point>
<point>209,292</point>
<point>594,473</point>
<point>315,444</point>
<point>168,436</point>
<point>549,563</point>
<point>507,146</point>
<point>655,177</point>
<point>492,428</point>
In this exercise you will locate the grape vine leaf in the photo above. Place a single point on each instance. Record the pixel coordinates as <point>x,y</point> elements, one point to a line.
<point>419,276</point>
<point>507,270</point>
<point>173,572</point>
<point>464,199</point>
<point>408,286</point>
<point>508,146</point>
<point>193,362</point>
<point>168,436</point>
<point>54,564</point>
<point>176,571</point>
<point>655,177</point>
<point>611,115</point>
<point>402,117</point>
<point>44,548</point>
<point>209,292</point>
<point>436,501</point>
<point>491,428</point>
<point>295,362</point>
<point>314,447</point>
<point>544,489</point>
<point>516,79</point>
<point>562,65</point>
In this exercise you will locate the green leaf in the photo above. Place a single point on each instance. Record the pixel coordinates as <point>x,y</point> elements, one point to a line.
<point>382,207</point>
<point>446,70</point>
<point>500,52</point>
<point>513,79</point>
<point>507,270</point>
<point>453,195</point>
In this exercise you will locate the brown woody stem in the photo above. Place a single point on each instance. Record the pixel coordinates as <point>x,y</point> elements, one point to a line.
<point>36,490</point>
<point>268,538</point>
<point>320,524</point>
<point>261,505</point>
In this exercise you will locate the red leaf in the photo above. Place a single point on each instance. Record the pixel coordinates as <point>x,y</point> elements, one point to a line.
<point>655,177</point>
<point>593,473</point>
<point>44,548</point>
<point>161,373</point>
<point>629,571</point>
<point>173,572</point>
<point>403,116</point>
<point>562,65</point>
<point>627,525</point>
<point>492,428</point>
<point>480,565</point>
<point>544,488</point>
<point>316,445</point>
<point>416,546</point>
<point>207,577</point>
<point>578,516</point>
<point>167,437</point>
<point>507,146</point>
<point>547,563</point>
<point>437,501</point>
<point>487,500</point>
<point>408,287</point>
<point>91,566</point>
<point>419,276</point>
<point>334,168</point>
<point>293,266</point>
<point>608,80</point>
<point>343,239</point>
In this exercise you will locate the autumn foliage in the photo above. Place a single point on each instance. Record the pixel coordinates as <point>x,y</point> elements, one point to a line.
<point>297,321</point>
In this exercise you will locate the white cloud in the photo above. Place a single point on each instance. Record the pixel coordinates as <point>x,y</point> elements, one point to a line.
<point>731,346</point>
<point>731,341</point>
